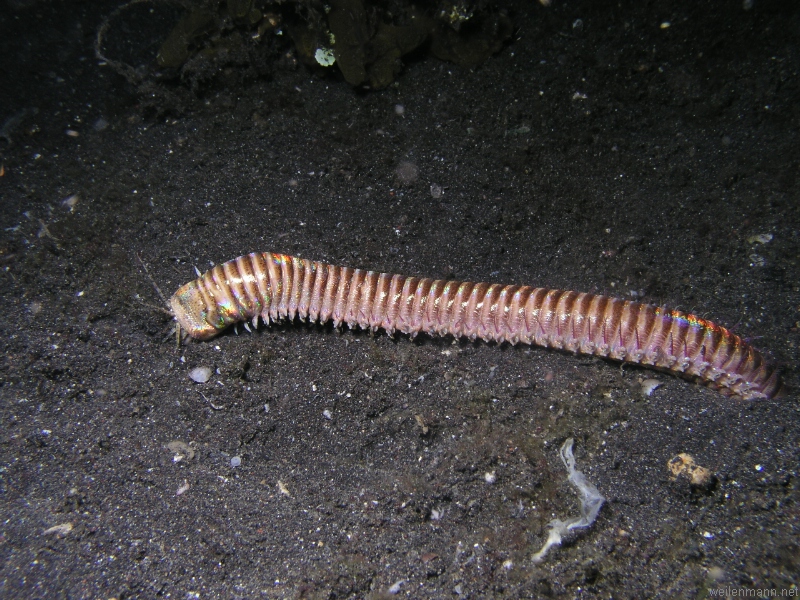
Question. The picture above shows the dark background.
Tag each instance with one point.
(616, 156)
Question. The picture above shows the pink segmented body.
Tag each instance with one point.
(277, 286)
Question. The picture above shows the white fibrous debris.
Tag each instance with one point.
(649, 386)
(200, 374)
(591, 502)
(490, 477)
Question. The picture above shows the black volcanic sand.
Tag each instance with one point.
(620, 156)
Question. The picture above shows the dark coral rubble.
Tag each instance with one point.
(367, 42)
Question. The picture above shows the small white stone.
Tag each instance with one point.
(200, 374)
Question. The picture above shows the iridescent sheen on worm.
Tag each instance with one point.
(277, 286)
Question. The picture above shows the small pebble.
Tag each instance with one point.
(684, 465)
(236, 461)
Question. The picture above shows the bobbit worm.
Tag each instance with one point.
(277, 286)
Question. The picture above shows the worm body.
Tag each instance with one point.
(277, 286)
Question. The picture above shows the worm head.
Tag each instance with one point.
(192, 313)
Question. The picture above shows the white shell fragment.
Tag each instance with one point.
(761, 238)
(70, 202)
(200, 374)
(649, 386)
(395, 587)
(62, 529)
